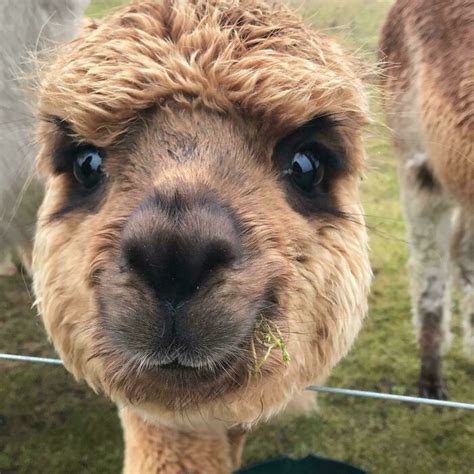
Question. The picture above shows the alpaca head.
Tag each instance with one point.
(200, 248)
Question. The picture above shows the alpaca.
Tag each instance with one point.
(201, 255)
(429, 99)
(27, 26)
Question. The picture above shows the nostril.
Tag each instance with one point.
(196, 262)
(135, 257)
(219, 253)
(149, 261)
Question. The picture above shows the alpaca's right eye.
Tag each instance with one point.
(88, 167)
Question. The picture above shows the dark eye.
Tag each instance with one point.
(306, 171)
(87, 167)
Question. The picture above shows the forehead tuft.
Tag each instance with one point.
(243, 57)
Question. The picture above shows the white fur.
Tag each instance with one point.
(27, 27)
(441, 238)
(429, 228)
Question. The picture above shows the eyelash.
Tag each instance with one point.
(327, 156)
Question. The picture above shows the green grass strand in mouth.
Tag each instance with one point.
(269, 336)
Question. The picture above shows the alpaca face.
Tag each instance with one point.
(201, 259)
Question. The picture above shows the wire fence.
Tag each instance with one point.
(313, 388)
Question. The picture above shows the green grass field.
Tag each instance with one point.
(50, 424)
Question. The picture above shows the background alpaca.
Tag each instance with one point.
(201, 240)
(429, 97)
(27, 27)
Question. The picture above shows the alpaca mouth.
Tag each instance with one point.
(182, 355)
(199, 370)
(184, 361)
(177, 385)
(178, 375)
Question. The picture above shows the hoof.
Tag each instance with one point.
(432, 388)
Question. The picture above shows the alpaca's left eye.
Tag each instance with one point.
(306, 171)
(88, 167)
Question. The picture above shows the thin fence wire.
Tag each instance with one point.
(391, 397)
(313, 388)
(23, 358)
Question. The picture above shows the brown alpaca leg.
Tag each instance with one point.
(150, 449)
(428, 215)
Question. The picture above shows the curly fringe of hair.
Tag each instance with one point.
(237, 57)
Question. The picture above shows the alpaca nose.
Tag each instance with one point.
(177, 244)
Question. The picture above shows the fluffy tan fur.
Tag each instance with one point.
(213, 453)
(156, 83)
(228, 56)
